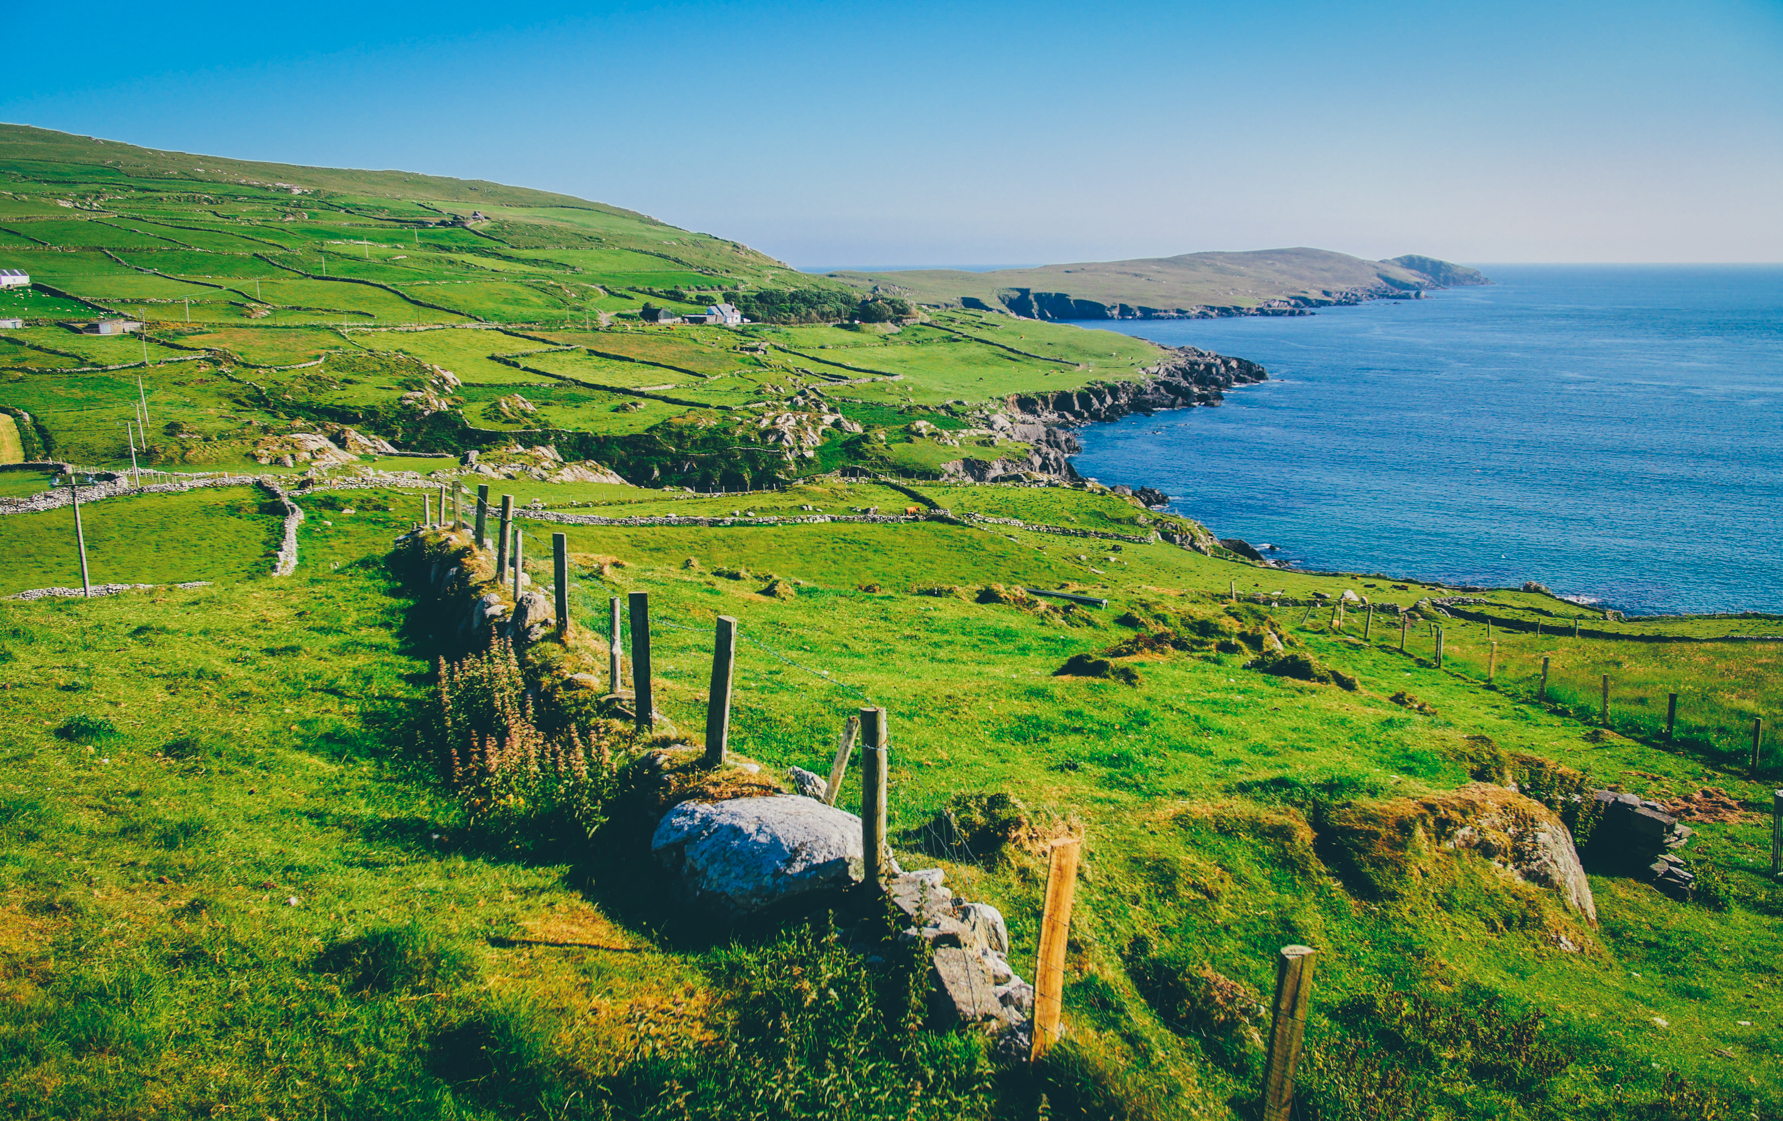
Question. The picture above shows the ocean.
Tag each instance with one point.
(1612, 432)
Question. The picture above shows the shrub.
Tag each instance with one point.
(86, 729)
(498, 761)
(397, 959)
(1088, 665)
(1301, 667)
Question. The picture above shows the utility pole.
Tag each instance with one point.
(135, 473)
(141, 395)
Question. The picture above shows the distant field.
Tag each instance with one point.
(226, 534)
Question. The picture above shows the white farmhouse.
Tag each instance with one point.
(13, 278)
(725, 314)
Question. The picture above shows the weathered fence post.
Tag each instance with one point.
(1777, 832)
(1671, 714)
(519, 562)
(1603, 709)
(1368, 623)
(1542, 693)
(1404, 624)
(718, 697)
(1055, 931)
(1757, 741)
(442, 507)
(560, 573)
(1488, 628)
(844, 748)
(875, 763)
(457, 504)
(614, 651)
(501, 546)
(1575, 628)
(426, 509)
(1440, 631)
(1287, 1030)
(1234, 586)
(80, 535)
(642, 702)
(1538, 628)
(1308, 613)
(482, 515)
(1492, 664)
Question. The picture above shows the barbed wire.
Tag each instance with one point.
(821, 674)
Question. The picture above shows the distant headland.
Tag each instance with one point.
(1188, 286)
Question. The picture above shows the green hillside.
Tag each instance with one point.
(275, 296)
(232, 883)
(1187, 285)
(245, 872)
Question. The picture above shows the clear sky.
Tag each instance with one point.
(885, 134)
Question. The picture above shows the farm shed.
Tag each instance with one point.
(14, 278)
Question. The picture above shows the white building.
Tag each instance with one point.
(11, 324)
(725, 314)
(13, 278)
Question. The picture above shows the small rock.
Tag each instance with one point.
(806, 783)
(740, 856)
(583, 681)
(987, 923)
(963, 990)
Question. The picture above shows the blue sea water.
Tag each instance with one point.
(1614, 432)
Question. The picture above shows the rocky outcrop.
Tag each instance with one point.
(1636, 835)
(1383, 848)
(1441, 274)
(1191, 377)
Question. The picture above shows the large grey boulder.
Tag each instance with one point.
(740, 856)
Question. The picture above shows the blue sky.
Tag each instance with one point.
(852, 134)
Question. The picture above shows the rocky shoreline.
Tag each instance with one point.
(1046, 421)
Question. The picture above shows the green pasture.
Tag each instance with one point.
(975, 706)
(218, 534)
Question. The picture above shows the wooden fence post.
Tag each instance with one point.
(1538, 628)
(1440, 631)
(457, 504)
(442, 507)
(426, 509)
(718, 697)
(560, 572)
(1757, 741)
(1777, 832)
(838, 769)
(1542, 693)
(1368, 623)
(1234, 586)
(519, 562)
(615, 654)
(80, 535)
(1603, 710)
(1671, 714)
(642, 702)
(1488, 628)
(1287, 1030)
(482, 515)
(1055, 932)
(875, 763)
(501, 546)
(1404, 624)
(1492, 664)
(1575, 628)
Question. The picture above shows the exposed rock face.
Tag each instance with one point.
(1245, 549)
(1442, 274)
(740, 856)
(1380, 844)
(1641, 837)
(1190, 377)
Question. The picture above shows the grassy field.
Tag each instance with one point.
(251, 744)
(233, 884)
